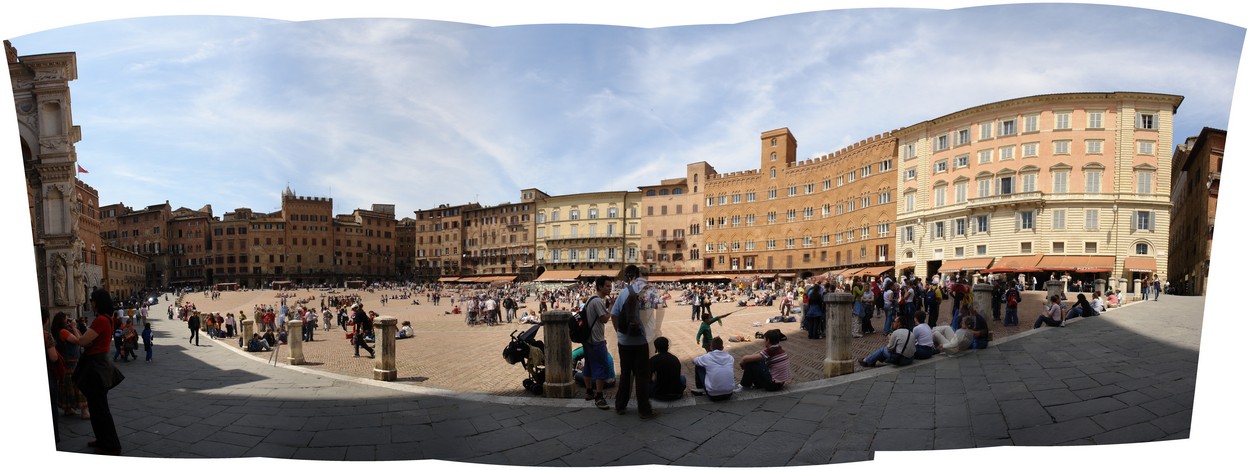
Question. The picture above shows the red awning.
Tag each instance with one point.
(1140, 264)
(971, 264)
(1015, 264)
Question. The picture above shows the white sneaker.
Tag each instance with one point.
(737, 388)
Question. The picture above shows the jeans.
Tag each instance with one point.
(1012, 317)
(359, 341)
(1047, 320)
(694, 312)
(889, 319)
(195, 336)
(884, 355)
(924, 352)
(934, 309)
(635, 370)
(755, 374)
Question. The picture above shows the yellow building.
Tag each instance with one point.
(1074, 183)
(834, 212)
(586, 234)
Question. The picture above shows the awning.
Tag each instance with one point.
(558, 276)
(448, 279)
(601, 272)
(903, 267)
(664, 278)
(1016, 264)
(970, 264)
(874, 270)
(1140, 264)
(1078, 263)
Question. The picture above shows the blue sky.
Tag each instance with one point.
(227, 110)
(230, 110)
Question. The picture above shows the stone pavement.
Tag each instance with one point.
(1127, 376)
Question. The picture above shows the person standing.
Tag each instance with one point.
(631, 340)
(95, 356)
(1012, 298)
(147, 342)
(193, 322)
(362, 325)
(814, 311)
(595, 372)
(695, 304)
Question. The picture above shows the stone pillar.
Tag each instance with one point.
(1100, 285)
(838, 318)
(1123, 288)
(295, 341)
(982, 294)
(248, 329)
(384, 340)
(558, 355)
(1054, 288)
(1137, 286)
(203, 320)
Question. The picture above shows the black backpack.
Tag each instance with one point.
(580, 324)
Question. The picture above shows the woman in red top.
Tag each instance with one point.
(96, 343)
(72, 400)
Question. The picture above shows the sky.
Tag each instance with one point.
(229, 111)
(469, 100)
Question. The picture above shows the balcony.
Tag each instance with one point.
(1031, 197)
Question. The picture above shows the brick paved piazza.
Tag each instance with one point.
(447, 354)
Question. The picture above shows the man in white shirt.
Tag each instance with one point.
(924, 337)
(714, 373)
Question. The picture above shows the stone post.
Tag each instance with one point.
(1054, 288)
(1123, 288)
(1137, 285)
(838, 318)
(558, 355)
(295, 341)
(248, 329)
(982, 294)
(384, 340)
(1100, 285)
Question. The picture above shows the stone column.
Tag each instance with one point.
(838, 318)
(1100, 285)
(384, 340)
(295, 341)
(558, 355)
(1137, 286)
(981, 296)
(248, 329)
(1123, 287)
(1054, 288)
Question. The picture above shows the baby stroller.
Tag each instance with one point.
(528, 351)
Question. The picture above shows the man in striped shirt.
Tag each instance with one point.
(770, 369)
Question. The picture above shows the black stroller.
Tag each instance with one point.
(528, 351)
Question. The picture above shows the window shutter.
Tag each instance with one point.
(1152, 221)
(1017, 221)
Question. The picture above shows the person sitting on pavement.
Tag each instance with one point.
(1053, 315)
(979, 327)
(256, 344)
(899, 349)
(405, 331)
(951, 341)
(530, 317)
(1083, 307)
(924, 337)
(770, 368)
(714, 373)
(667, 383)
(1098, 305)
(269, 338)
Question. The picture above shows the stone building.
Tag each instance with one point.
(1196, 167)
(143, 231)
(308, 230)
(834, 213)
(440, 235)
(367, 251)
(125, 273)
(671, 222)
(232, 260)
(498, 242)
(586, 234)
(1069, 183)
(89, 232)
(47, 132)
(405, 247)
(189, 238)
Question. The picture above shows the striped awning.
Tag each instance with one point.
(1012, 264)
(1140, 264)
(970, 264)
(1077, 263)
(558, 276)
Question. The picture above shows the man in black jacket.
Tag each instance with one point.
(193, 322)
(363, 325)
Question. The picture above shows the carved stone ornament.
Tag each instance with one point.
(54, 143)
(59, 280)
(49, 75)
(26, 107)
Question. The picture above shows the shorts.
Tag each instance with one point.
(596, 366)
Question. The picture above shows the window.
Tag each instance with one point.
(909, 234)
(555, 215)
(772, 217)
(1091, 219)
(981, 250)
(1146, 147)
(909, 174)
(883, 230)
(909, 202)
(1063, 120)
(574, 214)
(1028, 150)
(612, 213)
(1144, 220)
(772, 173)
(985, 156)
(1056, 247)
(987, 130)
(1143, 182)
(941, 142)
(808, 213)
(772, 193)
(1093, 181)
(750, 220)
(791, 215)
(961, 226)
(939, 230)
(1024, 220)
(886, 165)
(963, 136)
(1142, 249)
(1093, 147)
(1026, 248)
(751, 197)
(1063, 147)
(959, 252)
(937, 253)
(1059, 219)
(1059, 182)
(1006, 185)
(1095, 120)
(1091, 247)
(736, 199)
(865, 171)
(864, 202)
(983, 187)
(1146, 121)
(1007, 127)
(981, 223)
(961, 161)
(773, 157)
(961, 192)
(1006, 153)
(939, 196)
(1028, 182)
(883, 198)
(906, 152)
(940, 167)
(1030, 123)
(792, 191)
(720, 200)
(809, 188)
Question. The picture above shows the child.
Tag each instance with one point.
(147, 341)
(704, 336)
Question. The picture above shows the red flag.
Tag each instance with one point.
(81, 169)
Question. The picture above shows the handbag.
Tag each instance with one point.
(97, 374)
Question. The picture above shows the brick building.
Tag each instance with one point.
(144, 232)
(440, 235)
(498, 240)
(671, 222)
(1196, 167)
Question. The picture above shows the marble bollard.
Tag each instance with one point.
(838, 318)
(384, 341)
(295, 342)
(558, 355)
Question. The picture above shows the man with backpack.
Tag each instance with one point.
(933, 301)
(362, 325)
(1012, 299)
(814, 311)
(632, 346)
(595, 347)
